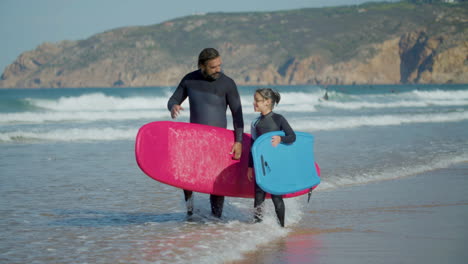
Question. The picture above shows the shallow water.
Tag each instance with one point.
(73, 193)
(417, 219)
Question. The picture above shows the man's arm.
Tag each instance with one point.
(235, 106)
(234, 102)
(180, 94)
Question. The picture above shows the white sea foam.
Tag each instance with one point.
(417, 99)
(99, 102)
(225, 240)
(441, 94)
(71, 134)
(334, 181)
(302, 124)
(301, 101)
(394, 104)
(80, 116)
(308, 102)
(334, 123)
(98, 107)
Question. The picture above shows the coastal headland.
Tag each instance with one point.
(373, 43)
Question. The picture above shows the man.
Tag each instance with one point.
(210, 92)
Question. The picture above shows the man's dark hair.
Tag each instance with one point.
(206, 55)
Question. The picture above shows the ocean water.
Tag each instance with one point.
(73, 193)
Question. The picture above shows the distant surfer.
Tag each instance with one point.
(268, 121)
(325, 97)
(210, 92)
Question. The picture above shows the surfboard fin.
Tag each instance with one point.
(309, 195)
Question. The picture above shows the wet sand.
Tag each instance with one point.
(419, 219)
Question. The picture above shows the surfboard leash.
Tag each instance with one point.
(309, 195)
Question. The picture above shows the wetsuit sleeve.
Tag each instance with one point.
(179, 95)
(289, 136)
(234, 102)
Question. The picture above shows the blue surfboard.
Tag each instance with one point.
(286, 168)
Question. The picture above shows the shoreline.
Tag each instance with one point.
(418, 219)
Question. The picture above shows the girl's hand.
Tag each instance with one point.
(275, 140)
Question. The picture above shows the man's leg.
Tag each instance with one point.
(189, 201)
(217, 205)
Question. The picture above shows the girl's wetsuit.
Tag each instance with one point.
(263, 124)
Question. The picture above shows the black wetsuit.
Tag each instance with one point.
(209, 100)
(263, 124)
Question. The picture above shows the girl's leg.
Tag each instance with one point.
(279, 208)
(259, 199)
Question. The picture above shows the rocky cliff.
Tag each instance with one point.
(388, 43)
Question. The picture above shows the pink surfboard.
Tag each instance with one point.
(196, 157)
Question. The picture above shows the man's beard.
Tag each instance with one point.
(212, 77)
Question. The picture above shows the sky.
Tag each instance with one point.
(25, 24)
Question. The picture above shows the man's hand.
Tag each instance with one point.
(175, 111)
(236, 150)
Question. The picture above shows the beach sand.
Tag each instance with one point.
(418, 219)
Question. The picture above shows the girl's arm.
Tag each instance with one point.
(289, 136)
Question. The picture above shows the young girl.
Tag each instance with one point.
(268, 121)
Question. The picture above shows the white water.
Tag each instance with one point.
(301, 108)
